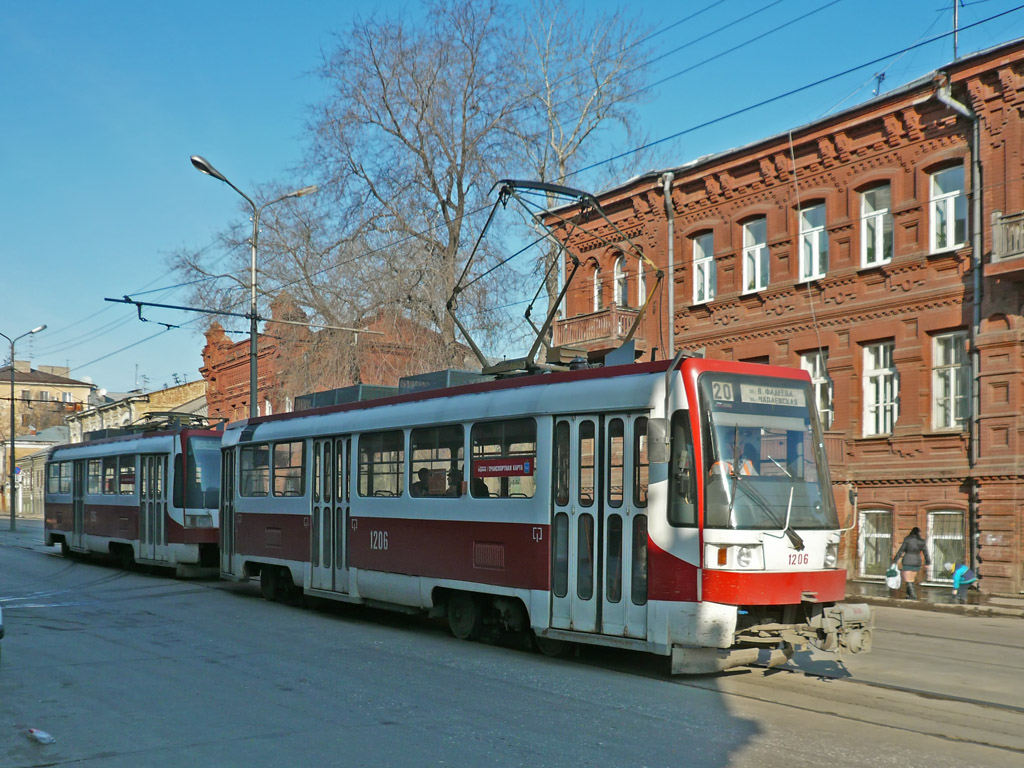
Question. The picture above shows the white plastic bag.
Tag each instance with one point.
(892, 578)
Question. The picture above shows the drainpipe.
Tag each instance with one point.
(670, 213)
(943, 94)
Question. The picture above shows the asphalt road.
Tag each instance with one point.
(133, 669)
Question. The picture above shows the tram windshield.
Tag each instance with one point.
(764, 464)
(202, 474)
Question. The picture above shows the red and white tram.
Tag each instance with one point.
(150, 498)
(679, 509)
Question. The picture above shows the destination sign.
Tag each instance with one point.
(506, 467)
(759, 394)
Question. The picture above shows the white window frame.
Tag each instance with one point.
(756, 266)
(881, 389)
(943, 532)
(620, 282)
(876, 229)
(943, 210)
(951, 381)
(597, 290)
(816, 365)
(868, 531)
(641, 285)
(813, 242)
(704, 277)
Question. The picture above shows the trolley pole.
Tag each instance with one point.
(203, 166)
(11, 496)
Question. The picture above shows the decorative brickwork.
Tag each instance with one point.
(913, 289)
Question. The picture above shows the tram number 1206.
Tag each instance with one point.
(378, 540)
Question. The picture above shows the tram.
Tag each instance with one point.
(150, 498)
(680, 508)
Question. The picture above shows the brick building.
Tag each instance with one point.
(294, 360)
(881, 249)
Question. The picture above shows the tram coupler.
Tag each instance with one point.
(843, 626)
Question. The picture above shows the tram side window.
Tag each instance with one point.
(94, 476)
(110, 475)
(254, 470)
(616, 462)
(682, 510)
(58, 477)
(434, 452)
(126, 476)
(381, 463)
(504, 459)
(641, 464)
(289, 468)
(561, 463)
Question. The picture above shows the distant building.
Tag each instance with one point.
(882, 250)
(295, 360)
(134, 408)
(43, 396)
(32, 468)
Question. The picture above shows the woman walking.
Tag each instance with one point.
(913, 549)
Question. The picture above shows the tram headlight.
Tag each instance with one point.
(199, 521)
(832, 554)
(737, 557)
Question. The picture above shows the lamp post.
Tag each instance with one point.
(204, 166)
(10, 466)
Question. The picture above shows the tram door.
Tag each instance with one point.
(330, 509)
(599, 530)
(152, 506)
(78, 505)
(227, 510)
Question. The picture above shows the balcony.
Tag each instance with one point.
(599, 332)
(1007, 247)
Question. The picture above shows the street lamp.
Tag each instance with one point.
(204, 166)
(10, 466)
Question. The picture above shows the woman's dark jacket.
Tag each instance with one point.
(912, 549)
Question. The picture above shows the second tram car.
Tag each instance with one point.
(679, 508)
(150, 498)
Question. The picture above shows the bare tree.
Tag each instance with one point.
(581, 76)
(411, 140)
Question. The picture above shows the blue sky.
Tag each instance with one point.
(104, 102)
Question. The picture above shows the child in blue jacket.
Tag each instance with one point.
(963, 577)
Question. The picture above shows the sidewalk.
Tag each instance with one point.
(935, 598)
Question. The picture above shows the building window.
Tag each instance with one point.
(755, 255)
(881, 389)
(621, 283)
(950, 381)
(948, 209)
(946, 542)
(875, 551)
(597, 290)
(813, 243)
(875, 226)
(816, 365)
(704, 282)
(44, 396)
(641, 285)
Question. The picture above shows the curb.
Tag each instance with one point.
(949, 608)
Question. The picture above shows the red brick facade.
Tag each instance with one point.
(294, 360)
(909, 295)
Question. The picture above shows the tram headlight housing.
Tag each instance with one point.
(199, 521)
(734, 557)
(832, 554)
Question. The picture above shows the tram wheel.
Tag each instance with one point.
(270, 582)
(464, 618)
(548, 646)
